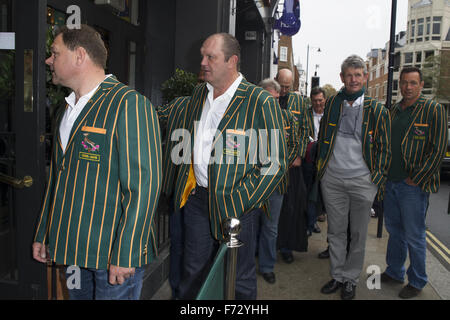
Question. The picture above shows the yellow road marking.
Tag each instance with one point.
(438, 251)
(438, 242)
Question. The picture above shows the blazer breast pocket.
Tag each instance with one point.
(419, 132)
(91, 144)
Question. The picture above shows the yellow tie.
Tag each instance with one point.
(190, 185)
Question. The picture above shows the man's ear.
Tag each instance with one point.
(80, 55)
(234, 59)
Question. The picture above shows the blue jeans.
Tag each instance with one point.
(405, 210)
(267, 246)
(94, 285)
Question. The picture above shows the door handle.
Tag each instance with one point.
(27, 181)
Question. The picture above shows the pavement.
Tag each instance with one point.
(303, 279)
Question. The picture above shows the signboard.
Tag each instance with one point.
(250, 35)
(7, 40)
(289, 23)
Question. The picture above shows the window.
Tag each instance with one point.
(420, 27)
(283, 54)
(408, 57)
(419, 56)
(132, 64)
(395, 85)
(429, 59)
(428, 25)
(413, 28)
(437, 25)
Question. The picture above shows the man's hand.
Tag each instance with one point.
(40, 252)
(410, 182)
(118, 275)
(297, 162)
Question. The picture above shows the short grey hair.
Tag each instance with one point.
(270, 83)
(354, 61)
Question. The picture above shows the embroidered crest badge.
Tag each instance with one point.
(89, 145)
(418, 132)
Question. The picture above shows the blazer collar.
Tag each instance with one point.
(236, 100)
(106, 86)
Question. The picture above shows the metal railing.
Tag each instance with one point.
(218, 284)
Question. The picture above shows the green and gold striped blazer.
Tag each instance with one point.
(103, 192)
(296, 104)
(171, 116)
(376, 135)
(425, 142)
(238, 180)
(290, 127)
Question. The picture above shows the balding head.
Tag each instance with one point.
(285, 78)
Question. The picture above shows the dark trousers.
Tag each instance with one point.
(176, 232)
(200, 249)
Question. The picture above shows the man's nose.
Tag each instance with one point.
(49, 61)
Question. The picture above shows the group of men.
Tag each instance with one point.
(228, 152)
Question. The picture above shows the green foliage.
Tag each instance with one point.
(7, 74)
(436, 75)
(180, 84)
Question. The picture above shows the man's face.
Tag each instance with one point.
(285, 84)
(61, 62)
(213, 63)
(318, 103)
(354, 79)
(411, 86)
(273, 92)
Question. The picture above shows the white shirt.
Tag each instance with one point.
(316, 117)
(72, 112)
(212, 114)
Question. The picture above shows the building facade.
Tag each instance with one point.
(425, 44)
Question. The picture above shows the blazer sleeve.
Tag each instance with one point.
(41, 234)
(382, 146)
(438, 137)
(258, 183)
(139, 165)
(303, 127)
(291, 136)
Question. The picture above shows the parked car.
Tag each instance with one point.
(446, 162)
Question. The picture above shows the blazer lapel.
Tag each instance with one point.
(365, 123)
(239, 96)
(98, 96)
(417, 109)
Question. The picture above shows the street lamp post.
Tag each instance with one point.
(307, 66)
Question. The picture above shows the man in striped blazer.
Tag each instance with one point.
(353, 158)
(105, 175)
(233, 168)
(289, 230)
(419, 141)
(267, 244)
